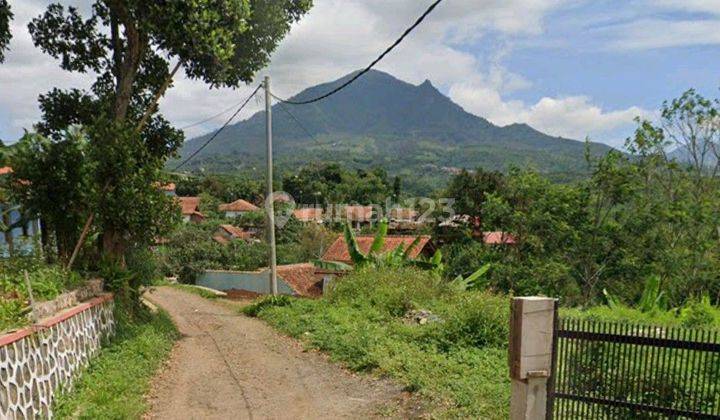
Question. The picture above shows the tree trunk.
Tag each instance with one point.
(114, 246)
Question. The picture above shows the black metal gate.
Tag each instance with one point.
(605, 370)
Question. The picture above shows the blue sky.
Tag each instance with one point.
(571, 68)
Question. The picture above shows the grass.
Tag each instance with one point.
(196, 290)
(115, 383)
(459, 365)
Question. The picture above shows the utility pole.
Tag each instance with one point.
(270, 206)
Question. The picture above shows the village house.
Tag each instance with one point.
(237, 207)
(309, 214)
(168, 189)
(228, 233)
(338, 251)
(190, 209)
(403, 220)
(358, 216)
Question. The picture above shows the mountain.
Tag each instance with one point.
(411, 130)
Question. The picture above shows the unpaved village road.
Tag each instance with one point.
(229, 366)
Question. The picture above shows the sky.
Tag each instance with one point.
(571, 68)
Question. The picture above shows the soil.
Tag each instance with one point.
(228, 365)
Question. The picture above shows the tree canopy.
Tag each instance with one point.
(6, 16)
(136, 47)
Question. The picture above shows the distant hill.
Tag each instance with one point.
(379, 120)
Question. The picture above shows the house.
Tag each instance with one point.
(168, 189)
(228, 233)
(22, 230)
(309, 214)
(190, 209)
(237, 208)
(293, 279)
(358, 216)
(498, 238)
(403, 220)
(402, 214)
(338, 251)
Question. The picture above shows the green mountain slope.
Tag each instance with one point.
(414, 131)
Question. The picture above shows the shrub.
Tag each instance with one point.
(265, 302)
(392, 291)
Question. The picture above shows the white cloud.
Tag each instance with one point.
(659, 33)
(574, 117)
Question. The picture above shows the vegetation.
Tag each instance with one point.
(6, 16)
(115, 384)
(47, 282)
(638, 216)
(207, 294)
(456, 362)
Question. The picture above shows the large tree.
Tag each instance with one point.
(135, 47)
(5, 35)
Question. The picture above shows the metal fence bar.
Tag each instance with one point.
(621, 370)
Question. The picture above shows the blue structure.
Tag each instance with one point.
(23, 234)
(252, 281)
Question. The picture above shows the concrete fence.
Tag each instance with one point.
(36, 361)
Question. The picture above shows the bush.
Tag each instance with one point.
(391, 291)
(265, 302)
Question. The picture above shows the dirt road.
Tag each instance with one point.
(230, 366)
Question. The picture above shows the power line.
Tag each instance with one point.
(225, 111)
(282, 106)
(367, 69)
(232, 117)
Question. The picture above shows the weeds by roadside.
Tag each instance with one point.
(115, 383)
(195, 290)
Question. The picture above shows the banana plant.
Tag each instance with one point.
(462, 284)
(375, 257)
(652, 297)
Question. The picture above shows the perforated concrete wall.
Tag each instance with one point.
(36, 361)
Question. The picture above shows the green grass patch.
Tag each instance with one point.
(195, 290)
(458, 364)
(115, 383)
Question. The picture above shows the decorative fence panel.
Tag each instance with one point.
(36, 361)
(605, 370)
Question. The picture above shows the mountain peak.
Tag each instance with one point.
(426, 84)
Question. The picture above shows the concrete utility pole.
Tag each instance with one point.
(270, 205)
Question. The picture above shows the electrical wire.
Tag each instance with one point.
(302, 127)
(369, 67)
(221, 113)
(232, 117)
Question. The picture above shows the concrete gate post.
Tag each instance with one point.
(532, 321)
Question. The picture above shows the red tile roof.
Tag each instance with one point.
(358, 213)
(4, 170)
(238, 205)
(308, 214)
(236, 232)
(189, 205)
(221, 239)
(301, 278)
(496, 238)
(338, 250)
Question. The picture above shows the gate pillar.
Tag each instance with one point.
(532, 324)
